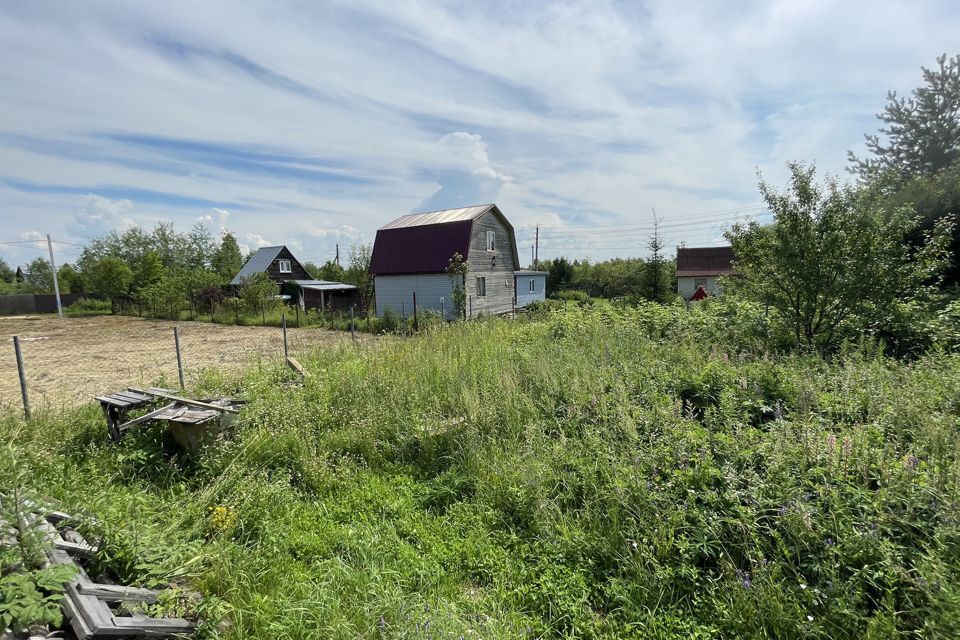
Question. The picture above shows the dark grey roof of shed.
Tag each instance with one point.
(257, 263)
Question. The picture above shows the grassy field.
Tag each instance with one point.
(594, 473)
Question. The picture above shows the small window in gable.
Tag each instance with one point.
(284, 266)
(481, 287)
(491, 241)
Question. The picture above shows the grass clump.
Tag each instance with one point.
(605, 472)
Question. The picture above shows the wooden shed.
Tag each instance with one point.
(323, 295)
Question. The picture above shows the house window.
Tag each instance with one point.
(491, 241)
(284, 266)
(533, 285)
(481, 287)
(700, 282)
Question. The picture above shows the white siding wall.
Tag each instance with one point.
(524, 297)
(687, 285)
(396, 292)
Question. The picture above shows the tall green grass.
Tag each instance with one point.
(597, 473)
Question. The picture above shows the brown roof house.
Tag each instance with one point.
(411, 255)
(700, 267)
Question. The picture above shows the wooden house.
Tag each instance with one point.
(411, 255)
(700, 267)
(277, 262)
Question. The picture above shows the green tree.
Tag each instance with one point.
(111, 277)
(358, 273)
(259, 293)
(656, 277)
(39, 276)
(559, 275)
(69, 279)
(147, 269)
(227, 259)
(922, 133)
(332, 272)
(834, 256)
(165, 296)
(6, 273)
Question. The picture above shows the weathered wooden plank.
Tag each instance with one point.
(77, 623)
(135, 399)
(116, 402)
(118, 593)
(165, 625)
(189, 401)
(294, 364)
(94, 611)
(147, 416)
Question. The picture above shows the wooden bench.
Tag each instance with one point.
(116, 406)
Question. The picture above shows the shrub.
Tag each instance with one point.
(88, 307)
(574, 295)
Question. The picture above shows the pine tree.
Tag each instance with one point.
(655, 285)
(227, 259)
(922, 133)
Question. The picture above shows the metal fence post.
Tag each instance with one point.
(353, 327)
(283, 321)
(416, 323)
(176, 342)
(23, 377)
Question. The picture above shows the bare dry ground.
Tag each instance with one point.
(69, 361)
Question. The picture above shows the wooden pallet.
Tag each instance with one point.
(87, 604)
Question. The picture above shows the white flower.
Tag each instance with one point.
(810, 618)
(803, 586)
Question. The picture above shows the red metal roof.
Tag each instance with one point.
(699, 294)
(419, 249)
(704, 261)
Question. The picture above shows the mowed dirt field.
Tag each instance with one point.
(69, 361)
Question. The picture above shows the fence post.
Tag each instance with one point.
(236, 310)
(176, 342)
(416, 324)
(23, 378)
(442, 315)
(298, 315)
(263, 313)
(283, 321)
(353, 330)
(470, 315)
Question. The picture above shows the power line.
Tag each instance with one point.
(679, 218)
(572, 228)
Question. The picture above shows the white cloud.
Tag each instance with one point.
(101, 215)
(464, 173)
(293, 117)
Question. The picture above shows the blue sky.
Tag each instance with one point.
(313, 123)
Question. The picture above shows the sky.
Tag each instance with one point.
(312, 123)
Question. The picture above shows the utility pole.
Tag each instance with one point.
(533, 260)
(56, 285)
(536, 251)
(337, 259)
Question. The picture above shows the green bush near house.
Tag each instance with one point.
(603, 472)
